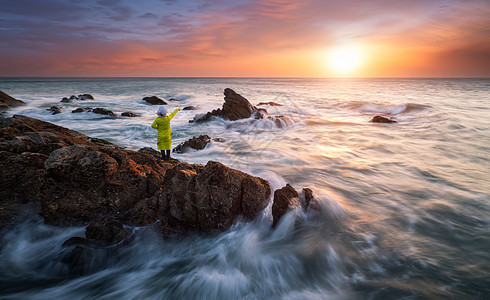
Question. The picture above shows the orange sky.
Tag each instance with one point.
(244, 38)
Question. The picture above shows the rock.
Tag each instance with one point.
(82, 109)
(269, 103)
(284, 199)
(7, 102)
(107, 231)
(129, 114)
(66, 100)
(281, 121)
(154, 100)
(379, 119)
(235, 107)
(103, 111)
(55, 110)
(197, 143)
(189, 108)
(307, 196)
(85, 97)
(203, 199)
(73, 97)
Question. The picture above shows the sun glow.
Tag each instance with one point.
(344, 60)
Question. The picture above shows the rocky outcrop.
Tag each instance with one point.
(380, 119)
(79, 97)
(103, 111)
(203, 199)
(197, 143)
(55, 110)
(129, 114)
(189, 108)
(269, 103)
(7, 102)
(235, 107)
(287, 198)
(74, 179)
(82, 109)
(154, 100)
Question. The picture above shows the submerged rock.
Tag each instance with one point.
(129, 114)
(66, 100)
(7, 102)
(380, 119)
(284, 199)
(85, 97)
(154, 100)
(82, 109)
(235, 107)
(189, 108)
(269, 103)
(55, 110)
(197, 143)
(103, 111)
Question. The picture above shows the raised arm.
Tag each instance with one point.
(173, 113)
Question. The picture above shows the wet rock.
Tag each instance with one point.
(307, 196)
(85, 97)
(103, 111)
(7, 102)
(203, 199)
(55, 110)
(269, 103)
(107, 231)
(154, 100)
(73, 97)
(380, 119)
(281, 121)
(285, 199)
(235, 107)
(82, 109)
(66, 100)
(197, 143)
(189, 108)
(129, 114)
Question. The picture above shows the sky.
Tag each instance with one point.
(245, 38)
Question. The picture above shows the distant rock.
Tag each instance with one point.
(235, 107)
(85, 97)
(154, 100)
(269, 103)
(380, 119)
(7, 102)
(82, 109)
(65, 100)
(189, 108)
(55, 110)
(73, 97)
(129, 114)
(197, 143)
(103, 111)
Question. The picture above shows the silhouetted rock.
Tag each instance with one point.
(308, 196)
(85, 97)
(66, 100)
(82, 109)
(189, 108)
(197, 143)
(103, 111)
(380, 119)
(235, 107)
(73, 97)
(7, 102)
(284, 199)
(154, 100)
(269, 103)
(55, 110)
(129, 114)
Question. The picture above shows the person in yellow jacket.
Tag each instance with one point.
(162, 123)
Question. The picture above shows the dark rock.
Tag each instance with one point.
(154, 100)
(270, 104)
(219, 140)
(85, 97)
(380, 119)
(150, 151)
(55, 110)
(82, 109)
(284, 199)
(129, 114)
(197, 143)
(73, 97)
(76, 240)
(103, 111)
(66, 100)
(7, 102)
(109, 231)
(235, 107)
(307, 196)
(189, 108)
(202, 198)
(173, 99)
(281, 121)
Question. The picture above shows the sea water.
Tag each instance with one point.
(405, 206)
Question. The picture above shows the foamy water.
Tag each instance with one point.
(406, 205)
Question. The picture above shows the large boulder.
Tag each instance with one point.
(7, 102)
(235, 107)
(154, 100)
(197, 143)
(380, 119)
(196, 198)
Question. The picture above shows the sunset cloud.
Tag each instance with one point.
(242, 38)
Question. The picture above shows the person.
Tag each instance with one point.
(162, 123)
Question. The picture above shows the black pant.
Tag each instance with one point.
(165, 155)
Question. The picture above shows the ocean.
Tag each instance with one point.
(406, 206)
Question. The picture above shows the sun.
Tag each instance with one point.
(344, 60)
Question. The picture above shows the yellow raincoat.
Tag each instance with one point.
(164, 141)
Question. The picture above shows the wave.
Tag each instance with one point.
(390, 109)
